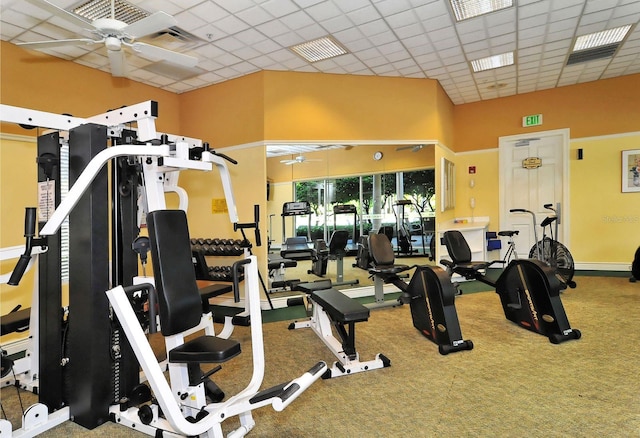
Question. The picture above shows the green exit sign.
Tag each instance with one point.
(533, 120)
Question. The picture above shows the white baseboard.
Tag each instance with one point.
(603, 266)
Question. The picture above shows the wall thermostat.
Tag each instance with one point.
(377, 155)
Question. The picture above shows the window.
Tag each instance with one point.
(375, 205)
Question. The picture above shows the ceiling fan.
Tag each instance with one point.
(115, 34)
(299, 159)
(414, 148)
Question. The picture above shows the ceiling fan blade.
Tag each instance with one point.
(161, 54)
(65, 15)
(118, 63)
(148, 25)
(59, 43)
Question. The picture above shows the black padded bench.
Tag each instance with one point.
(340, 307)
(17, 321)
(332, 308)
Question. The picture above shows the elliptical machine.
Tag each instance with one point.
(529, 289)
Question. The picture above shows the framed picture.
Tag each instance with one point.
(631, 170)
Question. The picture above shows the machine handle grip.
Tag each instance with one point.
(226, 157)
(518, 210)
(19, 270)
(256, 218)
(235, 269)
(30, 222)
(29, 234)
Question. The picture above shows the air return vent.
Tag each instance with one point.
(593, 54)
(120, 9)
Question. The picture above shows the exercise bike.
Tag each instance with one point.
(548, 249)
(529, 289)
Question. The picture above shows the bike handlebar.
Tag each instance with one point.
(520, 210)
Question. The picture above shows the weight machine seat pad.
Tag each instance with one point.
(15, 321)
(340, 307)
(277, 263)
(205, 349)
(175, 278)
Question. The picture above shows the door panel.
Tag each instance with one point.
(531, 188)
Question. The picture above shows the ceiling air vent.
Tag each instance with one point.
(593, 54)
(120, 10)
(175, 38)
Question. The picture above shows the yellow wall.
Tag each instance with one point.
(225, 114)
(318, 106)
(604, 107)
(604, 220)
(485, 189)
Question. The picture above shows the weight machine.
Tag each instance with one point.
(95, 385)
(86, 399)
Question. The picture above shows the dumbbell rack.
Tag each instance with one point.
(218, 247)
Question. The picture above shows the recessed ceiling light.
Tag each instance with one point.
(490, 62)
(464, 9)
(317, 50)
(604, 38)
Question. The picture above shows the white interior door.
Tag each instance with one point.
(533, 172)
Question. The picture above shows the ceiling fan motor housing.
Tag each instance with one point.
(113, 43)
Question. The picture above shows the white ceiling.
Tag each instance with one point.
(402, 38)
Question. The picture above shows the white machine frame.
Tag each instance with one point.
(174, 407)
(159, 165)
(321, 324)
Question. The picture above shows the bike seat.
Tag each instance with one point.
(548, 220)
(508, 233)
